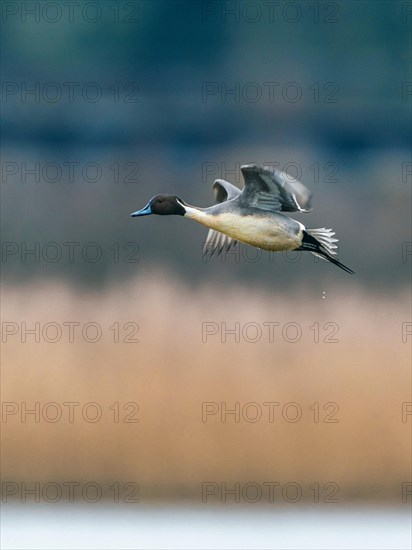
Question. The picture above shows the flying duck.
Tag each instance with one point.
(254, 215)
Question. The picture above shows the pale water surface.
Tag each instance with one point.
(122, 526)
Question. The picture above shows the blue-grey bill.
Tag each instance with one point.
(143, 212)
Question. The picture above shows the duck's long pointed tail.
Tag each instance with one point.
(321, 243)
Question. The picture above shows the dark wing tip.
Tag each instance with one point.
(307, 206)
(250, 168)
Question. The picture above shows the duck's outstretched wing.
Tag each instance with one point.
(269, 189)
(225, 191)
(216, 241)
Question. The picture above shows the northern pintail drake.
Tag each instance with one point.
(254, 215)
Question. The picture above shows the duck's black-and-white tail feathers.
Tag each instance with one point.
(321, 243)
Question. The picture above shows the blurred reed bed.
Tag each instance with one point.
(175, 367)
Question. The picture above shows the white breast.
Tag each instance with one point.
(260, 231)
